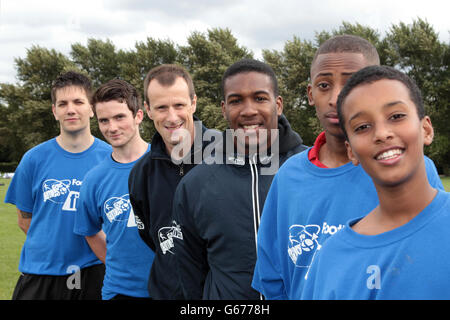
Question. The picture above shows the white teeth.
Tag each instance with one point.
(389, 154)
(253, 126)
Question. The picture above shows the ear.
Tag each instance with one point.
(223, 110)
(147, 109)
(279, 102)
(310, 95)
(139, 116)
(54, 112)
(428, 131)
(350, 154)
(194, 103)
(91, 115)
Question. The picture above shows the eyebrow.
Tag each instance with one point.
(386, 105)
(231, 95)
(327, 74)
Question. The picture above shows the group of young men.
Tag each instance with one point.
(239, 214)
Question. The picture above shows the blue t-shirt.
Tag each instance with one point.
(408, 263)
(105, 204)
(305, 205)
(47, 183)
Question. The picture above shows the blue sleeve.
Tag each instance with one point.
(88, 219)
(432, 174)
(20, 191)
(267, 277)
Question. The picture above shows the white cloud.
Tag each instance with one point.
(258, 25)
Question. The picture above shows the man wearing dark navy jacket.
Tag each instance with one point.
(217, 207)
(170, 101)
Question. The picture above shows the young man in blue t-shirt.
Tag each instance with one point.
(398, 250)
(55, 263)
(106, 216)
(315, 192)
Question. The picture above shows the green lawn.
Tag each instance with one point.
(446, 183)
(12, 238)
(11, 241)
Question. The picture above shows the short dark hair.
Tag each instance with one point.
(250, 65)
(71, 78)
(371, 74)
(349, 43)
(118, 90)
(166, 75)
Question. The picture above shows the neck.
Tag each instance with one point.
(333, 153)
(399, 204)
(131, 151)
(75, 142)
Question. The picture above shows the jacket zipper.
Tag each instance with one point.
(255, 203)
(181, 170)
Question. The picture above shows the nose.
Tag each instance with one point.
(112, 126)
(249, 108)
(332, 102)
(70, 108)
(382, 133)
(172, 115)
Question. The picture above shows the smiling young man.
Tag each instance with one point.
(399, 249)
(316, 192)
(45, 190)
(170, 102)
(105, 215)
(218, 205)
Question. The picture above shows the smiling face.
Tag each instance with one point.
(329, 73)
(251, 106)
(171, 110)
(384, 131)
(72, 109)
(117, 123)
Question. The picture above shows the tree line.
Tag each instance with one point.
(26, 120)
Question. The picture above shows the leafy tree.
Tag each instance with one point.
(99, 59)
(292, 69)
(27, 119)
(416, 50)
(206, 57)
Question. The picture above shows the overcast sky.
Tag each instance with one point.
(257, 24)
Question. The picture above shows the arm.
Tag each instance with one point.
(97, 243)
(267, 278)
(137, 188)
(190, 250)
(24, 220)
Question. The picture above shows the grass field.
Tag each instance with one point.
(12, 238)
(11, 241)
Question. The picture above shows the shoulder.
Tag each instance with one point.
(294, 163)
(201, 173)
(141, 166)
(38, 152)
(101, 146)
(100, 170)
